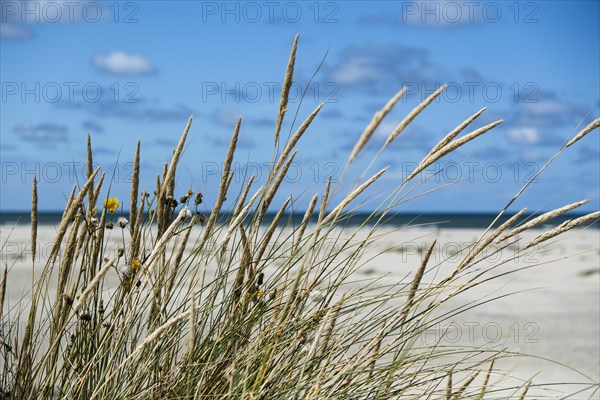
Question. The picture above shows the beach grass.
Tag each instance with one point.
(208, 307)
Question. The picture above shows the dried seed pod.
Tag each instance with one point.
(123, 222)
(85, 317)
(260, 279)
(170, 201)
(67, 299)
(186, 197)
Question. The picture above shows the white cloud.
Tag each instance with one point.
(534, 156)
(43, 133)
(224, 116)
(14, 32)
(548, 107)
(435, 14)
(355, 71)
(121, 63)
(524, 135)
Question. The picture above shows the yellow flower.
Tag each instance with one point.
(135, 265)
(259, 293)
(111, 204)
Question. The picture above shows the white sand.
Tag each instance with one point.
(554, 313)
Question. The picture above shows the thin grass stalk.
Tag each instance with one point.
(433, 157)
(269, 233)
(70, 200)
(192, 335)
(374, 124)
(34, 220)
(23, 369)
(69, 216)
(97, 243)
(295, 138)
(135, 183)
(486, 379)
(161, 243)
(63, 275)
(378, 340)
(465, 385)
(525, 390)
(413, 114)
(96, 281)
(162, 209)
(240, 205)
(541, 219)
(92, 207)
(68, 256)
(323, 207)
(456, 131)
(273, 191)
(156, 334)
(245, 264)
(416, 282)
(592, 125)
(179, 250)
(170, 174)
(91, 220)
(304, 223)
(90, 167)
(285, 89)
(340, 207)
(3, 288)
(449, 386)
(136, 237)
(287, 308)
(526, 185)
(482, 244)
(225, 178)
(564, 227)
(239, 218)
(242, 198)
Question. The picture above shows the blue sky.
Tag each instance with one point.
(124, 71)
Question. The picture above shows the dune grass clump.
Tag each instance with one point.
(208, 307)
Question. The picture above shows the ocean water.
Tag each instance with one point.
(438, 220)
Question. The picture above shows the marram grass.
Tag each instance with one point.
(208, 308)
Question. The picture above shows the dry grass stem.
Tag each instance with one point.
(96, 281)
(413, 114)
(450, 147)
(541, 219)
(340, 207)
(564, 227)
(305, 220)
(415, 283)
(34, 220)
(374, 124)
(592, 125)
(225, 180)
(295, 137)
(3, 288)
(285, 90)
(135, 183)
(455, 132)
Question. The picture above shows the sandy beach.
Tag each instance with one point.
(551, 311)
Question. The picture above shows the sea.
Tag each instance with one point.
(430, 220)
